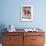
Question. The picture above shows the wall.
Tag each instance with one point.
(10, 13)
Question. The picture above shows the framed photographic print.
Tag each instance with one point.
(26, 13)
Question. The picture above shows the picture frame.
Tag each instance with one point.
(26, 13)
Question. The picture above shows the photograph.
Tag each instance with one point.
(26, 13)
